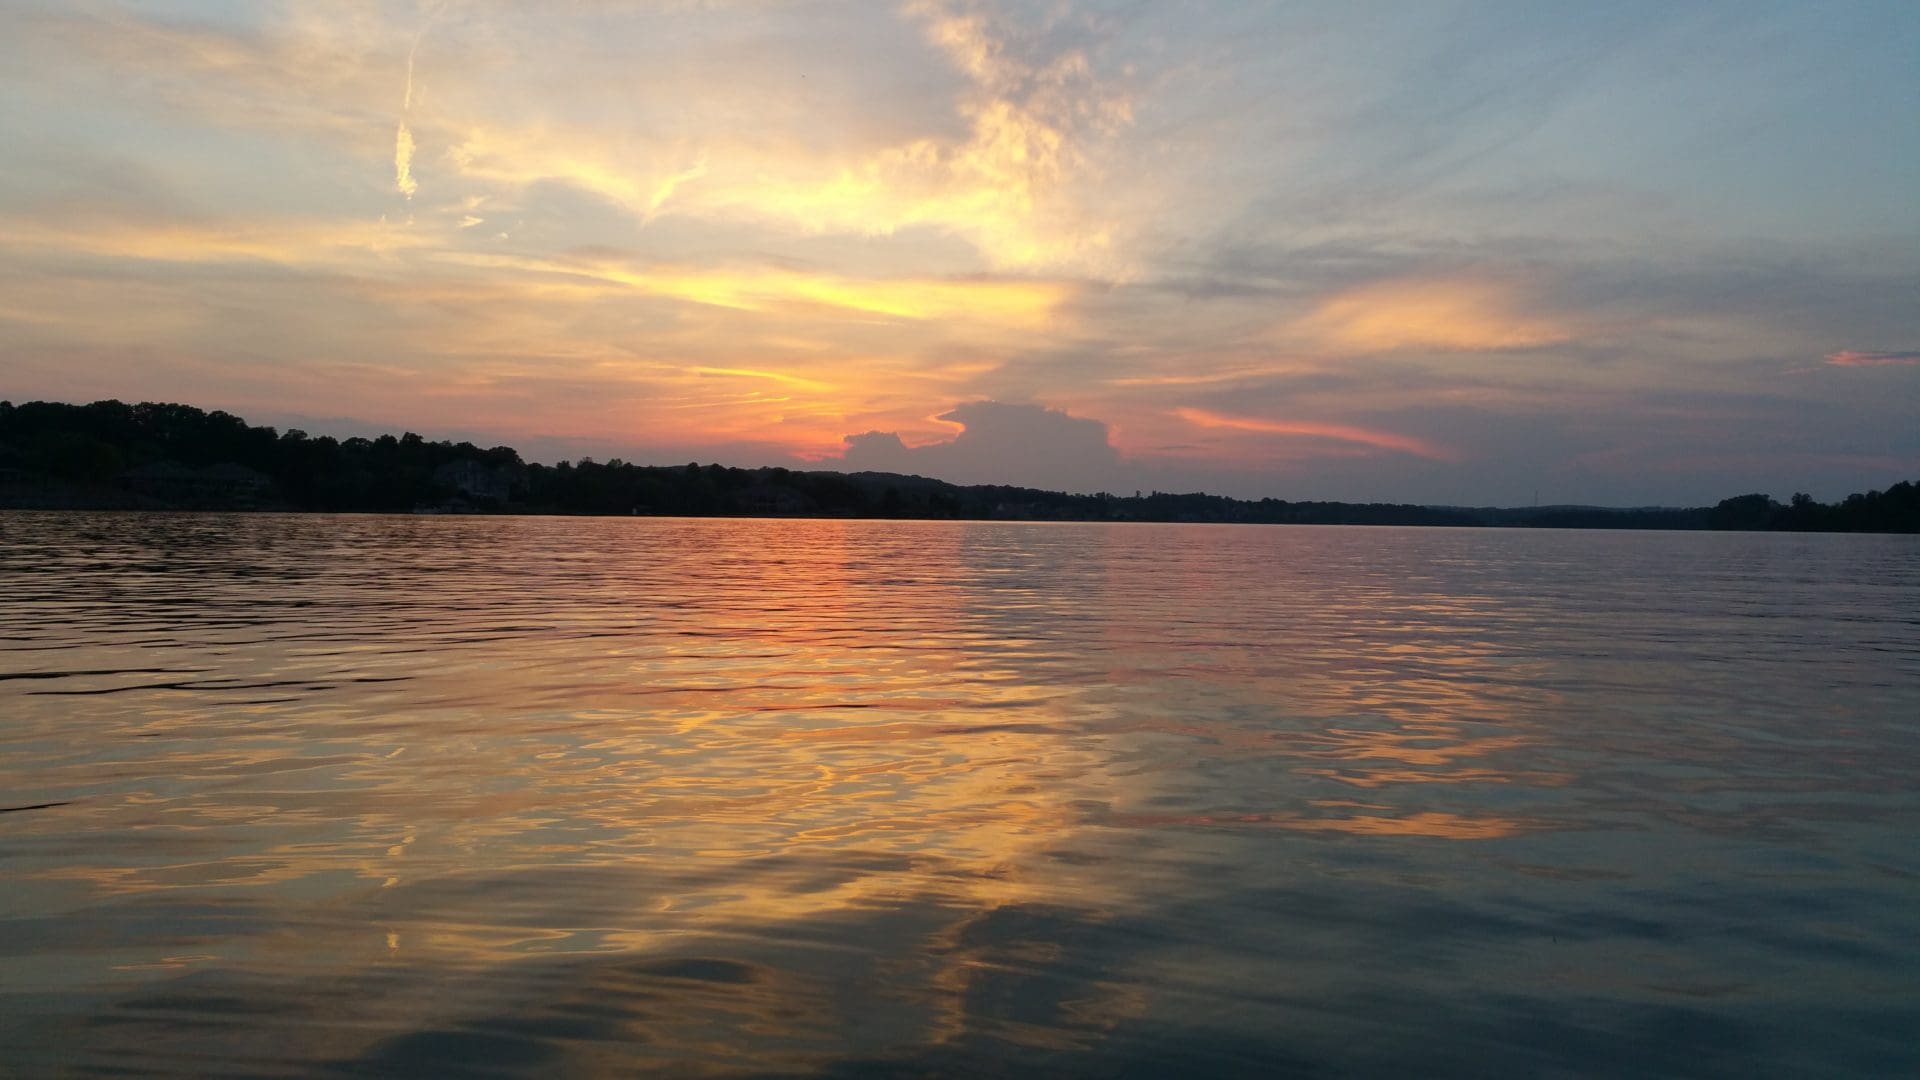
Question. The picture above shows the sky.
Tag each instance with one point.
(1441, 252)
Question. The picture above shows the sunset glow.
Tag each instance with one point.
(1438, 257)
(1340, 433)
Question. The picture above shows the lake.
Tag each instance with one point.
(522, 796)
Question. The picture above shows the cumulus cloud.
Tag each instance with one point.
(999, 442)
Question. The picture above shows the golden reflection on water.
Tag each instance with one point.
(737, 796)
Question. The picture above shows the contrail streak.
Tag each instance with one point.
(403, 180)
(411, 53)
(403, 161)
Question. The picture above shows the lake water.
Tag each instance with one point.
(467, 796)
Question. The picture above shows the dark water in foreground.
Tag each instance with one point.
(453, 796)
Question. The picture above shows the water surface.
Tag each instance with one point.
(338, 794)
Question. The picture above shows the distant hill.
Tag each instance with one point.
(110, 455)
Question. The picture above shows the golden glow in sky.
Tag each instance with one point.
(1410, 253)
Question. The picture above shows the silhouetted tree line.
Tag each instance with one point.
(1895, 510)
(166, 456)
(152, 454)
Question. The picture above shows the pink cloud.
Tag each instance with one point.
(1380, 440)
(1860, 358)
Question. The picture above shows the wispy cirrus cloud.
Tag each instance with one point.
(1313, 429)
(1866, 358)
(1026, 303)
(1440, 315)
(293, 242)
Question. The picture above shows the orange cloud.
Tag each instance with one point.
(1441, 316)
(1017, 302)
(1380, 440)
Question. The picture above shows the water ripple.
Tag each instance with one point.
(485, 796)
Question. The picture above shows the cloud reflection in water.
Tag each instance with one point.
(850, 798)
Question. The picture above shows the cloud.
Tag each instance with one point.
(312, 74)
(746, 224)
(1440, 315)
(1007, 166)
(665, 189)
(999, 442)
(1015, 302)
(403, 147)
(1308, 429)
(1859, 358)
(298, 243)
(403, 180)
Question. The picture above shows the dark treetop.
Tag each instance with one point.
(110, 455)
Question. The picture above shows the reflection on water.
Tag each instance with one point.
(360, 794)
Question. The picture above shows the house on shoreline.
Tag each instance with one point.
(474, 486)
(227, 485)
